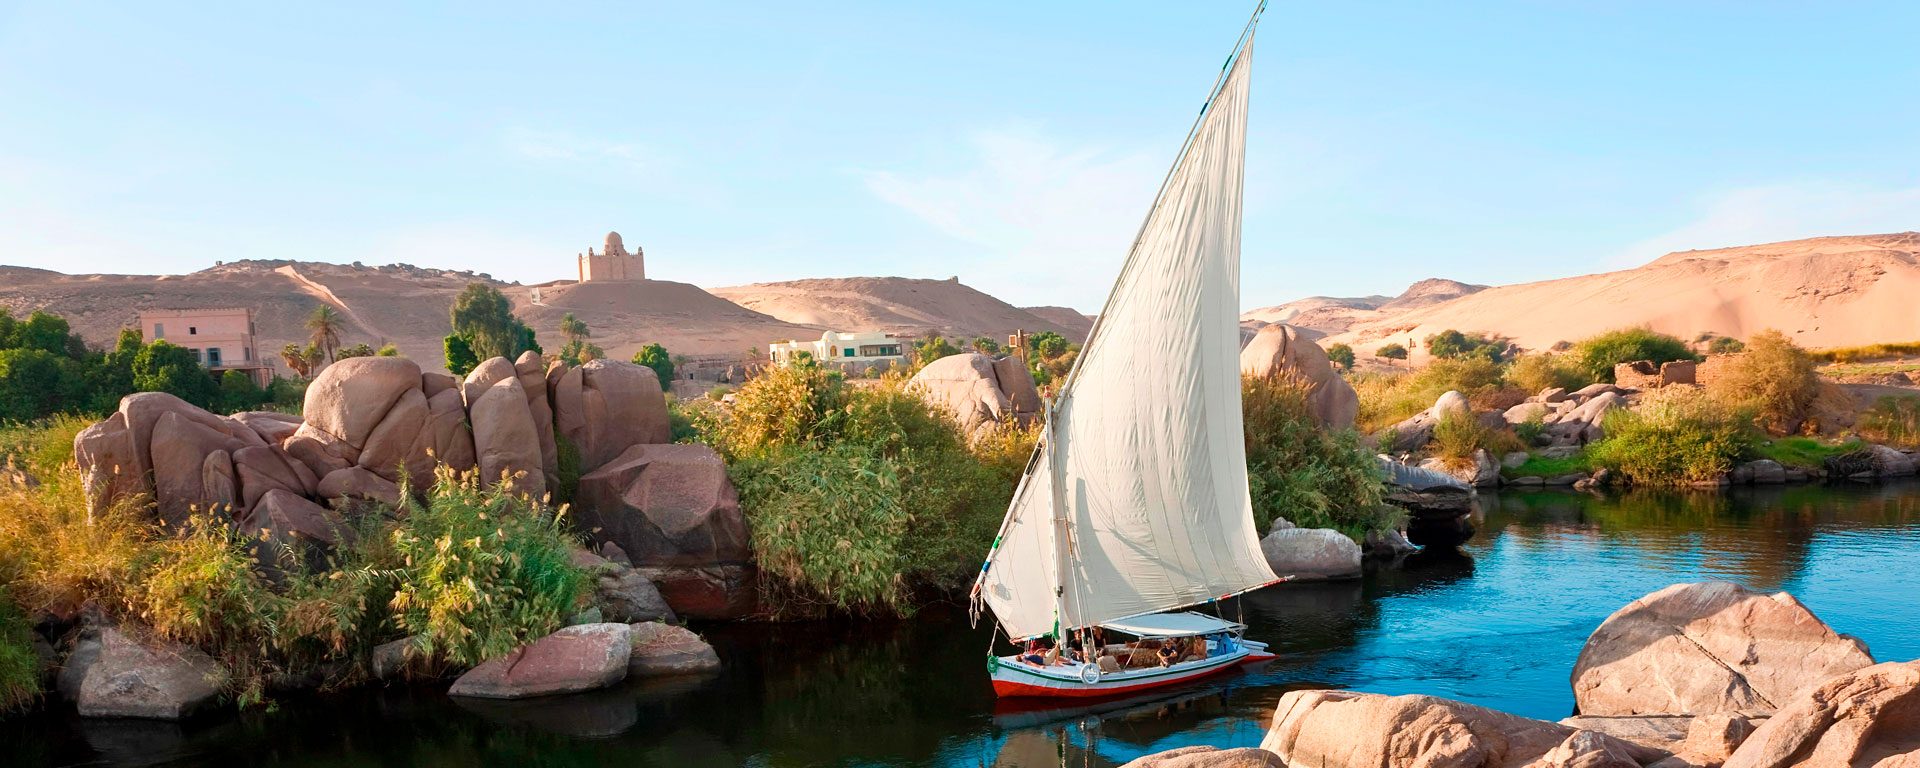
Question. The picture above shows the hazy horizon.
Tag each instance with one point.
(1015, 148)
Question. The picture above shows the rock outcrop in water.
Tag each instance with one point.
(1789, 692)
(1695, 649)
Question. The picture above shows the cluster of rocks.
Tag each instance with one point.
(587, 657)
(1706, 675)
(980, 390)
(673, 542)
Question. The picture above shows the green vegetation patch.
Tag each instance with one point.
(1894, 420)
(1675, 437)
(1802, 452)
(1546, 466)
(1316, 478)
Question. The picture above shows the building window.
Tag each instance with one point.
(213, 357)
(196, 355)
(159, 331)
(246, 353)
(849, 351)
(193, 330)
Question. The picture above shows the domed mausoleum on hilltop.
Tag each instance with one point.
(613, 263)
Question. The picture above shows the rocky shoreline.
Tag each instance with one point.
(1702, 675)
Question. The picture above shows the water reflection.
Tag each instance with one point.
(1497, 622)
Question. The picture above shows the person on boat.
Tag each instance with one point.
(1169, 653)
(1035, 653)
(1198, 649)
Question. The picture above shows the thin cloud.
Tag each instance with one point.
(1051, 222)
(565, 146)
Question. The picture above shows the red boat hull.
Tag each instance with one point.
(1013, 688)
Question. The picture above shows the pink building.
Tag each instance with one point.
(221, 339)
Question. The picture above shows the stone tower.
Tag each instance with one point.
(613, 262)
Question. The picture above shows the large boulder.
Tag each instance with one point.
(1346, 729)
(708, 592)
(1868, 717)
(132, 678)
(265, 468)
(110, 468)
(532, 373)
(1209, 757)
(607, 406)
(352, 397)
(286, 529)
(1482, 472)
(665, 505)
(504, 443)
(358, 483)
(661, 649)
(1417, 430)
(397, 446)
(1311, 554)
(577, 658)
(272, 427)
(1280, 350)
(193, 467)
(451, 439)
(1583, 424)
(1695, 649)
(969, 386)
(621, 593)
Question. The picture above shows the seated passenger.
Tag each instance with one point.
(1034, 654)
(1169, 654)
(1198, 650)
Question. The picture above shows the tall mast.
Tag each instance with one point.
(1062, 527)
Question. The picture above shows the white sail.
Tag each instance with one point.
(1147, 429)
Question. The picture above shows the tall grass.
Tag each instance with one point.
(1894, 420)
(1313, 477)
(1675, 437)
(860, 499)
(1389, 398)
(1459, 435)
(1867, 352)
(19, 665)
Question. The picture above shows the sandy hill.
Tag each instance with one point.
(1826, 291)
(625, 316)
(895, 305)
(1319, 316)
(397, 303)
(1077, 323)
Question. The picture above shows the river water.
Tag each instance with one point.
(1497, 623)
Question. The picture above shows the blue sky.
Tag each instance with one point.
(1014, 146)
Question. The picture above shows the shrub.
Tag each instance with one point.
(1774, 379)
(1803, 452)
(1598, 355)
(1675, 436)
(1392, 352)
(239, 393)
(1537, 372)
(1894, 419)
(1459, 435)
(655, 356)
(1452, 344)
(19, 665)
(1314, 477)
(1725, 345)
(1386, 399)
(1341, 355)
(485, 570)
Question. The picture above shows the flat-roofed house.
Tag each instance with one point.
(222, 339)
(845, 350)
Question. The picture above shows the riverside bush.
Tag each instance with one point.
(1538, 371)
(1774, 379)
(1386, 399)
(1599, 354)
(19, 665)
(1674, 437)
(859, 498)
(1894, 419)
(1315, 478)
(1459, 435)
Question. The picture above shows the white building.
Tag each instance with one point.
(845, 349)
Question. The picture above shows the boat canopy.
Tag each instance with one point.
(1185, 624)
(1136, 501)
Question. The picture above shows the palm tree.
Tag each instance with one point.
(324, 325)
(573, 328)
(296, 360)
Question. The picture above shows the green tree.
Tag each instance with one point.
(459, 354)
(1392, 352)
(323, 329)
(1451, 344)
(577, 350)
(239, 393)
(1341, 355)
(1047, 345)
(1599, 354)
(484, 316)
(31, 382)
(48, 333)
(1725, 345)
(164, 367)
(296, 360)
(933, 348)
(986, 346)
(361, 349)
(655, 356)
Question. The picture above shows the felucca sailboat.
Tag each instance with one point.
(1134, 506)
